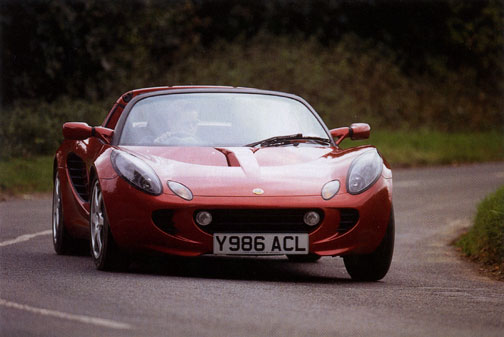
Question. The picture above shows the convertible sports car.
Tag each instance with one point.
(221, 170)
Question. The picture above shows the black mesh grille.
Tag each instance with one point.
(259, 221)
(77, 172)
(348, 219)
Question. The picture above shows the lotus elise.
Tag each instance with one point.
(201, 170)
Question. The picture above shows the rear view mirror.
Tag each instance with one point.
(360, 131)
(81, 131)
(356, 131)
(76, 131)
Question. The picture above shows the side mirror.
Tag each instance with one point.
(356, 131)
(76, 131)
(360, 131)
(81, 131)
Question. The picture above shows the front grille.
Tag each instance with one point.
(259, 221)
(348, 219)
(77, 172)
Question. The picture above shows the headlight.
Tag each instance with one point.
(330, 189)
(364, 172)
(136, 172)
(180, 190)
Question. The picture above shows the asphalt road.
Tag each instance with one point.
(429, 290)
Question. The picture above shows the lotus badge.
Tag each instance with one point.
(258, 191)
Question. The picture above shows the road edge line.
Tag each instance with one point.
(24, 237)
(79, 318)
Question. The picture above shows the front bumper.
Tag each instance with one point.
(130, 212)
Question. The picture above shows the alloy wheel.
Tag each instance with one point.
(56, 210)
(97, 221)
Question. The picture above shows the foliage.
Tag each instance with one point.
(394, 64)
(30, 127)
(477, 33)
(87, 48)
(350, 81)
(91, 49)
(345, 82)
(485, 240)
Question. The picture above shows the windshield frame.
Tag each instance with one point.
(124, 116)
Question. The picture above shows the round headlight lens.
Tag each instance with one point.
(203, 218)
(311, 218)
(135, 171)
(364, 172)
(180, 190)
(330, 189)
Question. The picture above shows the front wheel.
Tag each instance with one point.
(104, 251)
(373, 266)
(63, 243)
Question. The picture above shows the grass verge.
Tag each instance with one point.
(484, 243)
(25, 175)
(400, 148)
(426, 147)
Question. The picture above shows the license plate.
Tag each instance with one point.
(260, 244)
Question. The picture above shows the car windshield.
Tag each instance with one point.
(217, 119)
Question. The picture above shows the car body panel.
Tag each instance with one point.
(134, 229)
(291, 177)
(310, 168)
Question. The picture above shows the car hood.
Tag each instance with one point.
(237, 171)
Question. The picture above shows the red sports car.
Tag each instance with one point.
(221, 170)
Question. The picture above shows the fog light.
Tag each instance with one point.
(311, 218)
(203, 218)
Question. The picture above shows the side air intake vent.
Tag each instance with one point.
(77, 172)
(162, 218)
(348, 219)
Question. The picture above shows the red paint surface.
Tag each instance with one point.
(291, 177)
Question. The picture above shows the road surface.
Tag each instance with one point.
(429, 290)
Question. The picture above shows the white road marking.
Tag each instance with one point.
(46, 312)
(79, 318)
(24, 237)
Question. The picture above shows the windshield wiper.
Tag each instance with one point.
(282, 140)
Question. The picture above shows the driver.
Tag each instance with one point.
(183, 125)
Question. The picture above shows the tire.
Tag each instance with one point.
(63, 243)
(374, 266)
(104, 251)
(311, 258)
